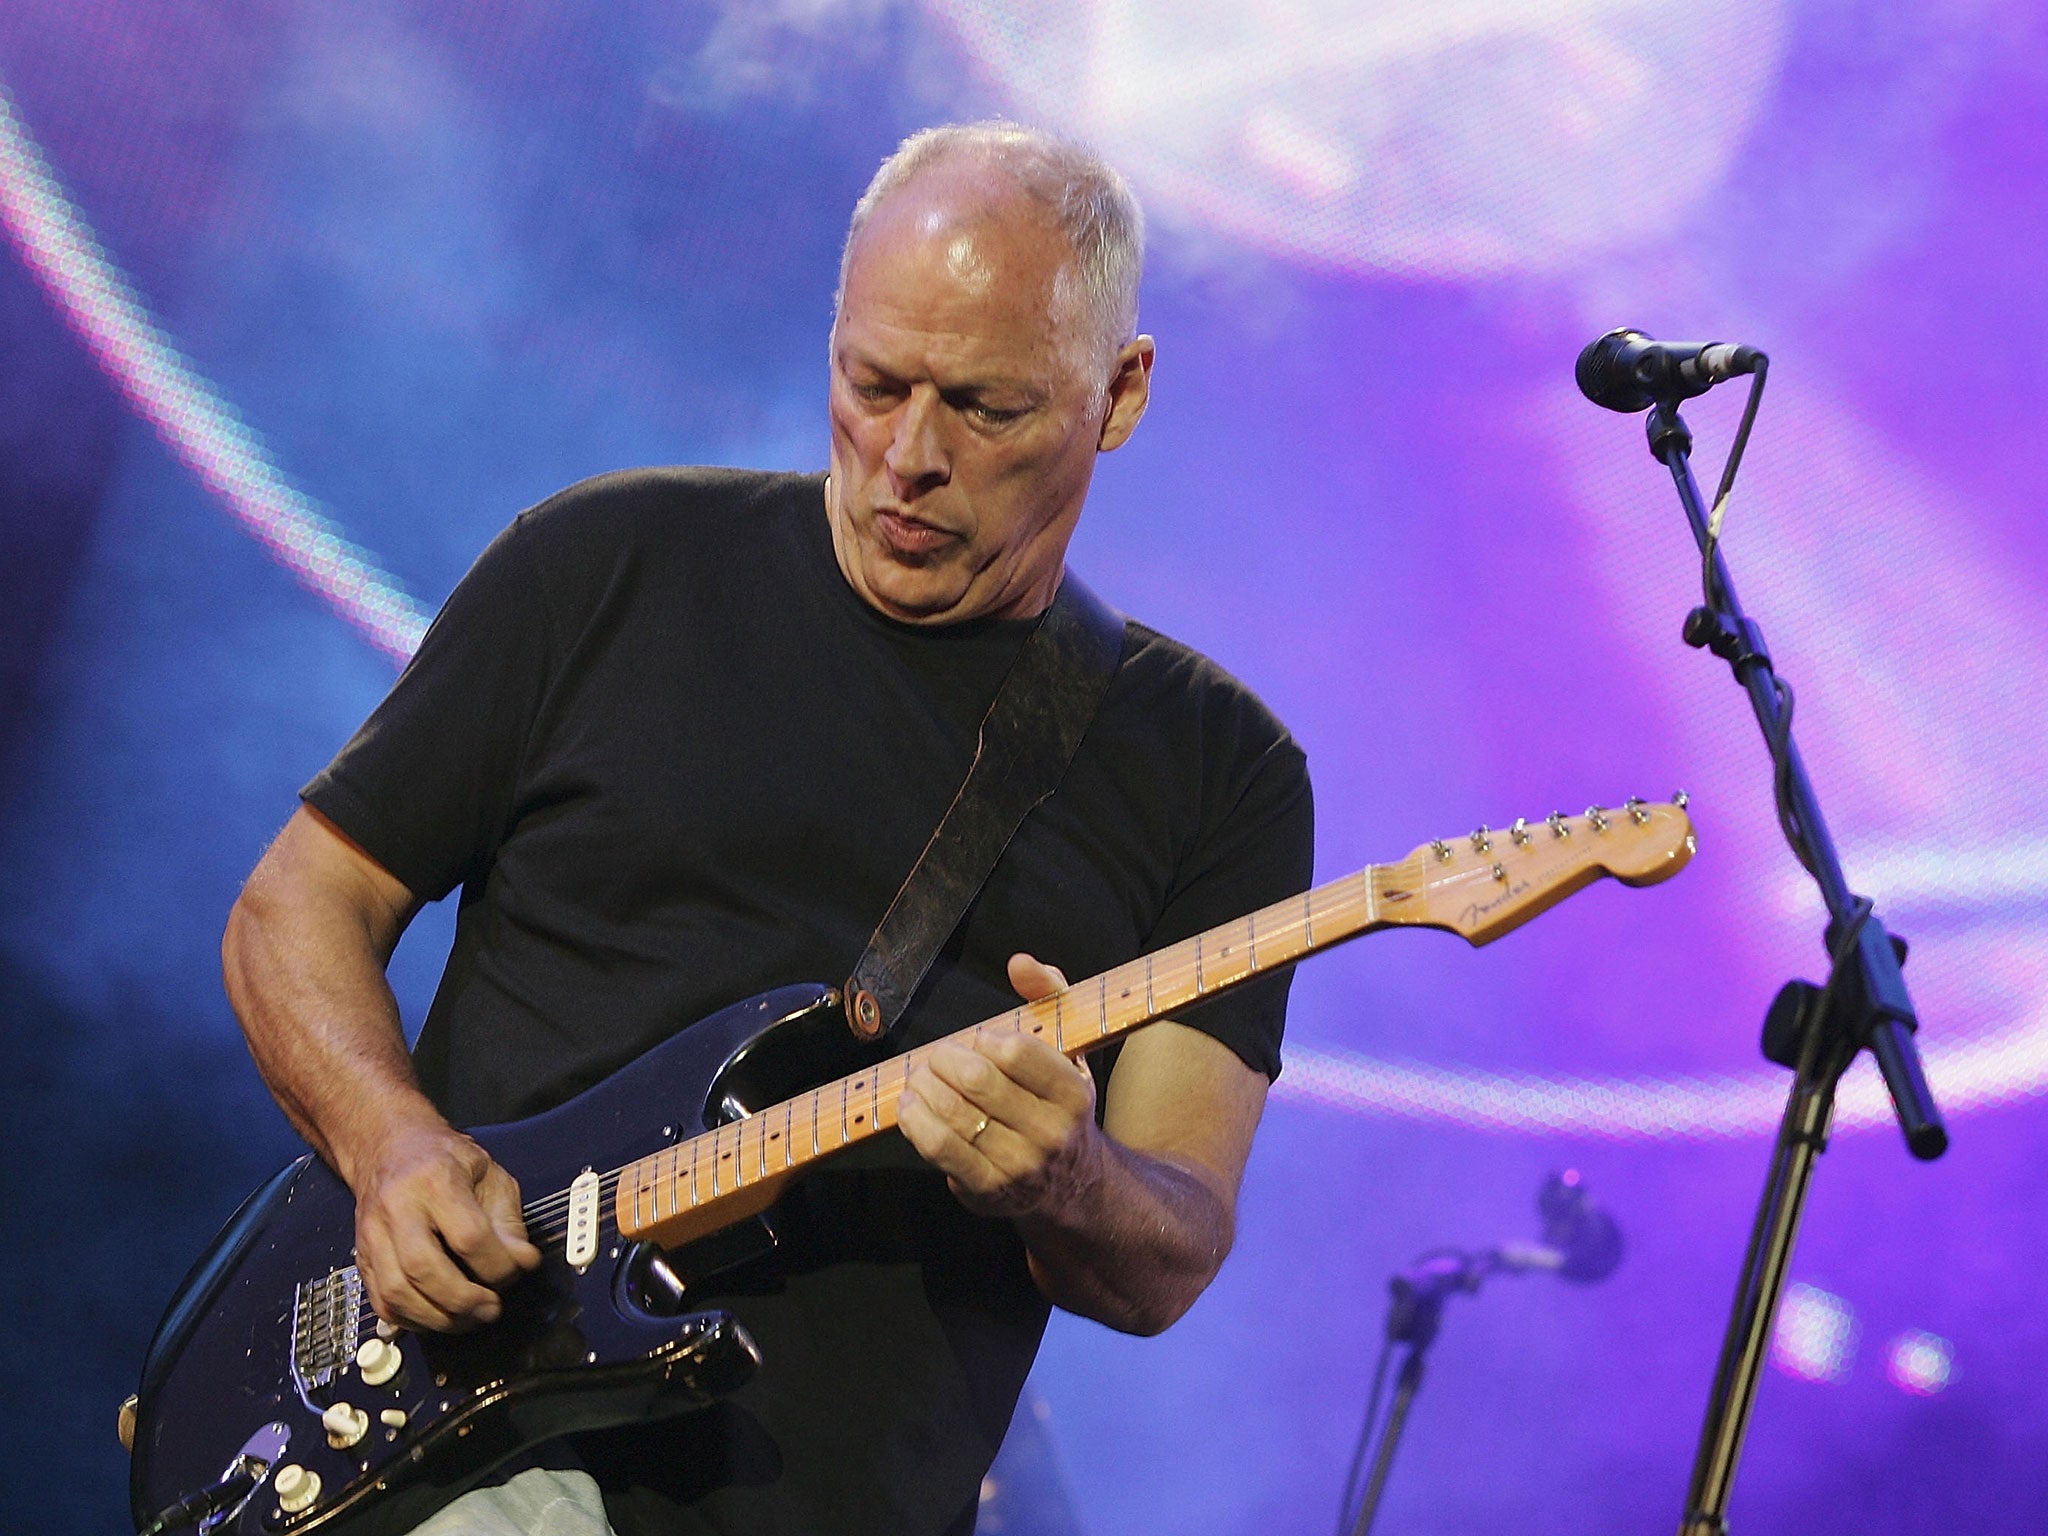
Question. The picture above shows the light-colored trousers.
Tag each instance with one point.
(536, 1502)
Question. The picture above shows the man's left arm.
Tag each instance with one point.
(1126, 1223)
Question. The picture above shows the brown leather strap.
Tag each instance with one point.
(1029, 735)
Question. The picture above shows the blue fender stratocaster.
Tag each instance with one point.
(269, 1404)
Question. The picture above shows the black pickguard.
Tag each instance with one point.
(571, 1351)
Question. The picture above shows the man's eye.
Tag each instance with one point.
(993, 415)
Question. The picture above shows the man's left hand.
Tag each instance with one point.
(1007, 1119)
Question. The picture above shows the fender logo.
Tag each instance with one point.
(1474, 911)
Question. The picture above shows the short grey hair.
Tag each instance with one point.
(1089, 203)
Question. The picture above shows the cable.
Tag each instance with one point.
(1709, 584)
(1779, 737)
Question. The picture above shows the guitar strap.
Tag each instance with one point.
(1028, 737)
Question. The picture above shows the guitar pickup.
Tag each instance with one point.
(579, 1244)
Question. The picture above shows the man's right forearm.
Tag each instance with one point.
(306, 979)
(438, 1224)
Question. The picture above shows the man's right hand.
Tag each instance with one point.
(438, 1230)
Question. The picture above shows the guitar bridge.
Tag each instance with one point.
(326, 1319)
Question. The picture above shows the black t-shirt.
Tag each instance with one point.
(672, 759)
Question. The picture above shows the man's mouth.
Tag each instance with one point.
(905, 535)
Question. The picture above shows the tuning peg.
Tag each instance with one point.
(1519, 832)
(1482, 841)
(1598, 816)
(1679, 799)
(1636, 813)
(1555, 821)
(1440, 848)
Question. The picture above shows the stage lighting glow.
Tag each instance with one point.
(1815, 1339)
(1920, 1363)
(195, 423)
(1941, 877)
(1442, 137)
(2001, 1068)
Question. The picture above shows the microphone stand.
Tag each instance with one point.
(1816, 1031)
(1413, 1316)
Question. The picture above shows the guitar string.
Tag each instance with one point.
(1183, 979)
(547, 1217)
(1186, 971)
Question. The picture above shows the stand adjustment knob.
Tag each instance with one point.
(345, 1425)
(296, 1488)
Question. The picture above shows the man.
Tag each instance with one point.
(678, 736)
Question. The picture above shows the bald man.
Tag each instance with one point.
(677, 737)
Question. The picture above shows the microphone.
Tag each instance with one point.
(1581, 1242)
(1627, 371)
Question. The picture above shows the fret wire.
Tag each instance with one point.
(1271, 936)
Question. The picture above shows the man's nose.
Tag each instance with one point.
(917, 459)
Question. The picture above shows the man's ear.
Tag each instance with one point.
(1130, 391)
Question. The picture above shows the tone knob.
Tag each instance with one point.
(296, 1488)
(379, 1360)
(345, 1425)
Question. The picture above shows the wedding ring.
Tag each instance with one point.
(978, 1130)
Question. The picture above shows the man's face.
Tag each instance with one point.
(966, 414)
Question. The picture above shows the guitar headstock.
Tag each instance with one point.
(1489, 882)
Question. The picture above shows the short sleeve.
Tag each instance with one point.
(427, 786)
(1256, 848)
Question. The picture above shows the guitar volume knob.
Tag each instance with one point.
(295, 1487)
(345, 1425)
(379, 1360)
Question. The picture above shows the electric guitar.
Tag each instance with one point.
(269, 1404)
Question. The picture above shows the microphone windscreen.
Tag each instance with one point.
(1605, 375)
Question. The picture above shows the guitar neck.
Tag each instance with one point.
(1480, 888)
(668, 1197)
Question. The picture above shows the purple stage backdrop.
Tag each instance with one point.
(299, 303)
